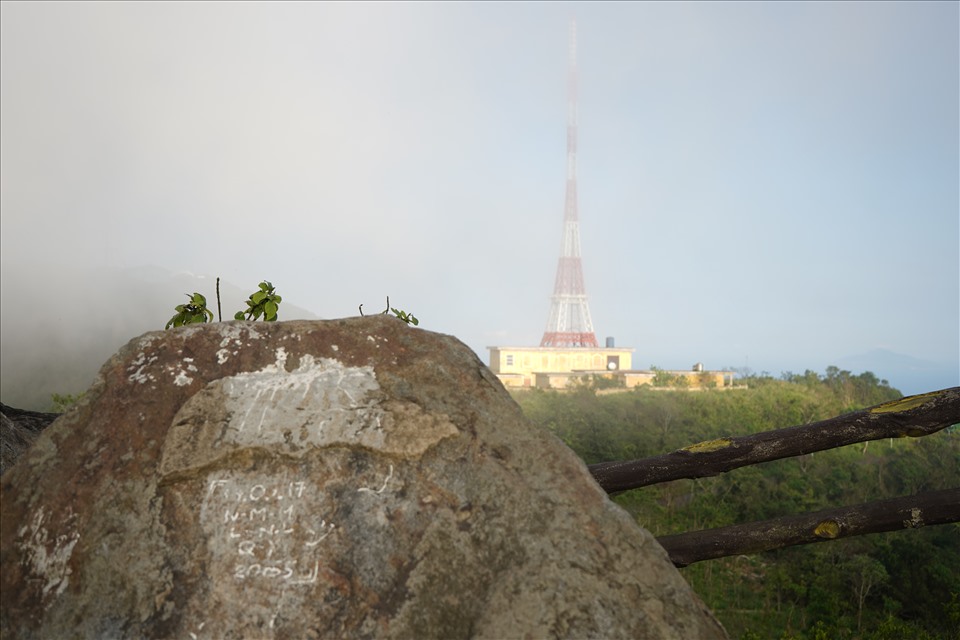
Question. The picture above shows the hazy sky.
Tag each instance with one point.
(763, 184)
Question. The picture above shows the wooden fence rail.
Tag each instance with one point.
(912, 416)
(911, 512)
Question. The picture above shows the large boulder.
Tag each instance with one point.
(354, 478)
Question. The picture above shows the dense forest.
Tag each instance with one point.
(888, 586)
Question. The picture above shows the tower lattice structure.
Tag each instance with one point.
(570, 324)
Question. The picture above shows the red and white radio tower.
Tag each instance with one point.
(570, 324)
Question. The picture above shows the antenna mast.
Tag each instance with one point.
(569, 324)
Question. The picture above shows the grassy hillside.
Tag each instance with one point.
(884, 586)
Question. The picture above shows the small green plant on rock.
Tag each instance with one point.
(193, 312)
(261, 303)
(264, 302)
(409, 318)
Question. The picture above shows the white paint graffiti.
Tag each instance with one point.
(271, 406)
(381, 489)
(265, 530)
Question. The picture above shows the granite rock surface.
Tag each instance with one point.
(352, 478)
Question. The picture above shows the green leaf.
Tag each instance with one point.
(258, 297)
(238, 315)
(270, 309)
(265, 286)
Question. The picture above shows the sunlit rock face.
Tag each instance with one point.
(355, 479)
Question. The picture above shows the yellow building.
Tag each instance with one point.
(519, 366)
(556, 368)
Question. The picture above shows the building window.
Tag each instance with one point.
(510, 360)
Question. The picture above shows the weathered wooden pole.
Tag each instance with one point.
(912, 416)
(911, 512)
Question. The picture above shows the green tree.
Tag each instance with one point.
(865, 573)
(707, 381)
(661, 378)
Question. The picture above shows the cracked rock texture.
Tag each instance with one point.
(351, 478)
